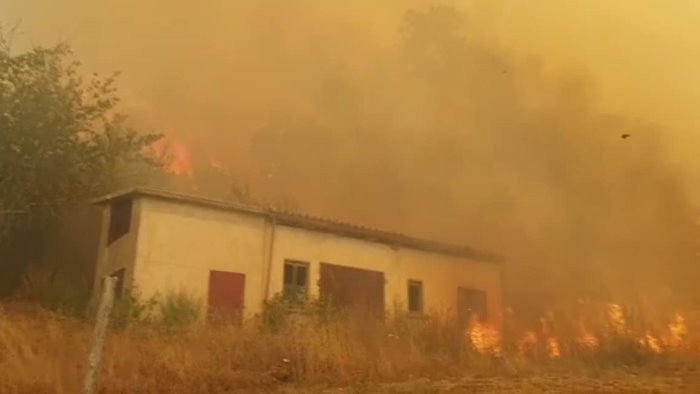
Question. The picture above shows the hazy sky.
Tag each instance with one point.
(644, 54)
(213, 73)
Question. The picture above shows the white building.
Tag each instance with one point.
(233, 257)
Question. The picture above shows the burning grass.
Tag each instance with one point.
(44, 352)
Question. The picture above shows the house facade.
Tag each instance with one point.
(233, 257)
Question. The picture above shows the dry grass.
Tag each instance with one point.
(46, 352)
(43, 352)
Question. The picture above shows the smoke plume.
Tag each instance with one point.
(408, 116)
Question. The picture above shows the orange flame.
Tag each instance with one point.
(526, 344)
(677, 331)
(650, 342)
(545, 340)
(177, 157)
(587, 340)
(485, 339)
(553, 350)
(616, 318)
(551, 341)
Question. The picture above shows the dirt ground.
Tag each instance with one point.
(678, 379)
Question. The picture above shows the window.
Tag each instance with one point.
(415, 296)
(119, 220)
(296, 279)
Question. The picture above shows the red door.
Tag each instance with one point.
(226, 290)
(359, 290)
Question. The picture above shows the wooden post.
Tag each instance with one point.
(98, 336)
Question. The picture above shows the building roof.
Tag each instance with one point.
(298, 220)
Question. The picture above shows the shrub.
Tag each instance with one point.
(53, 292)
(179, 309)
(64, 298)
(324, 312)
(275, 313)
(130, 309)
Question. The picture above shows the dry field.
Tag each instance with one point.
(44, 352)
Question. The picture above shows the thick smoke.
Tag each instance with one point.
(403, 116)
(447, 138)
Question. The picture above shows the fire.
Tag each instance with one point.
(527, 344)
(485, 339)
(178, 160)
(616, 318)
(677, 331)
(549, 341)
(650, 342)
(587, 340)
(553, 348)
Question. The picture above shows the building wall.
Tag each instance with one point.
(179, 244)
(441, 275)
(176, 246)
(119, 254)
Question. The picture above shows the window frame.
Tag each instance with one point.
(414, 283)
(302, 296)
(120, 214)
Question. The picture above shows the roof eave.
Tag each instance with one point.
(309, 222)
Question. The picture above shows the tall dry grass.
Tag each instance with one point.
(42, 352)
(45, 352)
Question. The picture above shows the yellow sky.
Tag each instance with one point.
(643, 55)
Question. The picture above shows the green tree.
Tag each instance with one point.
(62, 142)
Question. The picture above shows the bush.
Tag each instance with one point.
(324, 312)
(130, 309)
(179, 309)
(54, 292)
(275, 313)
(64, 298)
